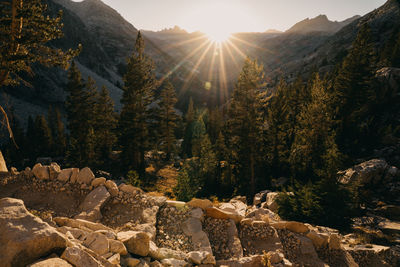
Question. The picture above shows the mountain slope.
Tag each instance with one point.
(320, 23)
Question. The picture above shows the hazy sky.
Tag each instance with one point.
(235, 15)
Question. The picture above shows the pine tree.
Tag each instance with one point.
(25, 32)
(314, 153)
(134, 120)
(167, 118)
(42, 136)
(105, 124)
(80, 105)
(189, 120)
(245, 125)
(198, 133)
(354, 92)
(57, 132)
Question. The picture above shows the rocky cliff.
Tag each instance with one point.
(67, 217)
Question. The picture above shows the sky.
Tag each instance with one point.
(225, 16)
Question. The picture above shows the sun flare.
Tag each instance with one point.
(218, 36)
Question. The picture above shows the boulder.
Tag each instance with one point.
(24, 234)
(41, 172)
(334, 242)
(260, 197)
(234, 206)
(201, 257)
(97, 243)
(80, 258)
(74, 175)
(271, 201)
(91, 206)
(85, 176)
(174, 263)
(64, 175)
(200, 203)
(99, 181)
(80, 224)
(115, 259)
(130, 262)
(3, 165)
(54, 170)
(137, 243)
(176, 204)
(296, 227)
(318, 239)
(117, 247)
(217, 213)
(369, 172)
(129, 189)
(53, 262)
(112, 188)
(164, 253)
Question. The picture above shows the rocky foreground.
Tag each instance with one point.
(54, 217)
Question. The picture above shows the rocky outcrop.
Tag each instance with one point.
(123, 226)
(25, 238)
(373, 172)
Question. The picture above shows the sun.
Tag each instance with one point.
(218, 35)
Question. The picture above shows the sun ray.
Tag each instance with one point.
(223, 83)
(236, 49)
(226, 46)
(212, 64)
(175, 45)
(180, 63)
(190, 76)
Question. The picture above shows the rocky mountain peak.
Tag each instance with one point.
(320, 23)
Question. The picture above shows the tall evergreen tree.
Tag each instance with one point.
(134, 120)
(59, 141)
(80, 105)
(245, 125)
(42, 136)
(167, 118)
(187, 139)
(104, 126)
(314, 153)
(354, 93)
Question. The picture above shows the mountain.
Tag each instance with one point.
(320, 23)
(189, 59)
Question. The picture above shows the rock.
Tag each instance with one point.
(365, 173)
(41, 172)
(200, 203)
(80, 258)
(112, 188)
(74, 175)
(374, 256)
(80, 224)
(137, 243)
(174, 263)
(271, 201)
(318, 239)
(53, 262)
(54, 170)
(217, 213)
(260, 197)
(176, 204)
(389, 211)
(201, 257)
(24, 234)
(129, 189)
(64, 175)
(91, 206)
(85, 176)
(76, 233)
(165, 253)
(234, 206)
(98, 181)
(389, 227)
(193, 227)
(97, 242)
(3, 165)
(334, 242)
(115, 259)
(296, 227)
(117, 247)
(155, 264)
(253, 261)
(130, 262)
